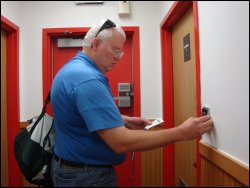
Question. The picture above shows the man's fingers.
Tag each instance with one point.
(204, 118)
(207, 125)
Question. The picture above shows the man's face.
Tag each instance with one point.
(109, 52)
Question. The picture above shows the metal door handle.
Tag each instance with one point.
(132, 156)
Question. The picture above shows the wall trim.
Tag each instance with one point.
(233, 167)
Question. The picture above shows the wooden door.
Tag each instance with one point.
(184, 80)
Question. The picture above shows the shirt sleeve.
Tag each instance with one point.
(96, 106)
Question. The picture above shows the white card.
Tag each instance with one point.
(154, 123)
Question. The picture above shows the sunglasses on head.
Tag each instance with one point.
(106, 25)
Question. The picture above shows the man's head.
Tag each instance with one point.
(103, 43)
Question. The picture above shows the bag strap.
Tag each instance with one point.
(46, 102)
(47, 138)
(42, 113)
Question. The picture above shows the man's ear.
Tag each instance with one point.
(95, 43)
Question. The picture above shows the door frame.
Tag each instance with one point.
(175, 13)
(12, 77)
(47, 36)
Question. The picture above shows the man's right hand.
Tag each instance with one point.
(195, 127)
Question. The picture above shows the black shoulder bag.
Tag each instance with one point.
(33, 148)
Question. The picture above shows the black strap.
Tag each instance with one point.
(42, 113)
(47, 138)
(46, 101)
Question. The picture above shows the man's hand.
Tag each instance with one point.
(195, 127)
(135, 123)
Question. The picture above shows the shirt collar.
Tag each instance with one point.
(89, 61)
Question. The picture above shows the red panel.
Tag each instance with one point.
(168, 105)
(137, 95)
(47, 67)
(122, 73)
(174, 14)
(48, 35)
(62, 55)
(12, 74)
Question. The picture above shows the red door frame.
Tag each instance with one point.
(12, 77)
(48, 34)
(177, 10)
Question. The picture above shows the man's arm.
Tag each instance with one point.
(120, 139)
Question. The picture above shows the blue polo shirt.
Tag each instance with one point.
(82, 103)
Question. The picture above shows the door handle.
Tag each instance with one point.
(128, 94)
(124, 101)
(132, 156)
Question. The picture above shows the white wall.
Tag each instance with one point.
(224, 62)
(224, 59)
(12, 11)
(38, 15)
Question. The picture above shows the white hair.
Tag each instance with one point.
(104, 34)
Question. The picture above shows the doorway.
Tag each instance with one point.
(181, 90)
(184, 82)
(127, 71)
(10, 123)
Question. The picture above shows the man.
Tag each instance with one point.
(91, 134)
